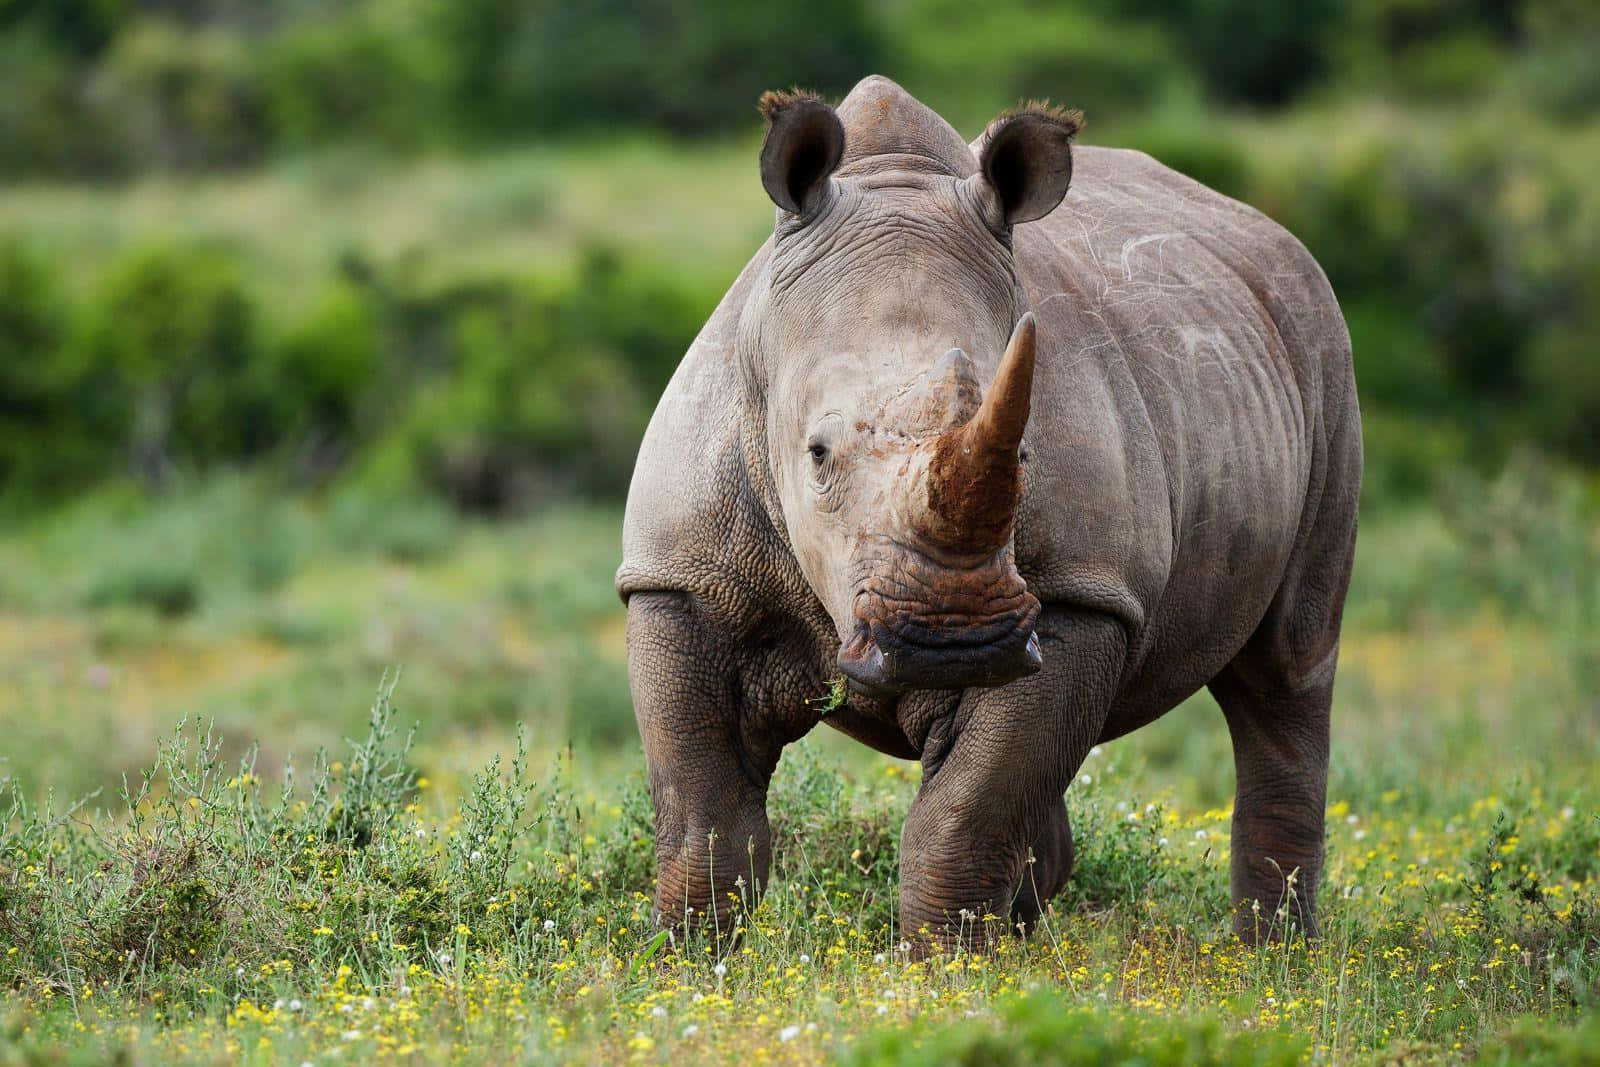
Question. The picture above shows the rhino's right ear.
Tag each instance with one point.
(805, 141)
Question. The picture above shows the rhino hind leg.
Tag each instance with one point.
(1280, 753)
(1277, 694)
(1048, 869)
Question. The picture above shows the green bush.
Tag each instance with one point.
(357, 71)
(46, 125)
(524, 390)
(1252, 51)
(522, 415)
(323, 381)
(181, 99)
(172, 363)
(1462, 267)
(518, 67)
(41, 440)
(968, 61)
(169, 587)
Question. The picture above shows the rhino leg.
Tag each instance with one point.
(1047, 870)
(993, 775)
(1277, 694)
(713, 716)
(1280, 754)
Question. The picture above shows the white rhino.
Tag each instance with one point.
(1029, 465)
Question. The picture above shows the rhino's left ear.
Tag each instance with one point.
(805, 142)
(1025, 162)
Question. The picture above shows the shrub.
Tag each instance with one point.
(696, 68)
(324, 78)
(44, 445)
(1250, 51)
(181, 100)
(171, 371)
(1455, 263)
(76, 27)
(170, 587)
(46, 125)
(531, 389)
(322, 382)
(1110, 69)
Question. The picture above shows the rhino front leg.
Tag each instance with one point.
(1047, 869)
(993, 777)
(711, 743)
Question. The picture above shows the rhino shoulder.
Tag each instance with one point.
(692, 522)
(1152, 203)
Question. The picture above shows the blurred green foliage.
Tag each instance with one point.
(1437, 159)
(115, 86)
(495, 392)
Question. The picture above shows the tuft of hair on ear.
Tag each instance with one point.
(1070, 117)
(774, 101)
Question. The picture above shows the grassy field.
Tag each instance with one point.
(480, 894)
(184, 879)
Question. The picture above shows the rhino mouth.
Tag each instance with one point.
(905, 650)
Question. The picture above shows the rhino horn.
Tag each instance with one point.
(975, 473)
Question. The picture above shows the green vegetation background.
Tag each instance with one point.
(458, 246)
(327, 334)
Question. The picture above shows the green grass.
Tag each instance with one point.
(481, 894)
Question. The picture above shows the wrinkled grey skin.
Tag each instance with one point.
(1189, 477)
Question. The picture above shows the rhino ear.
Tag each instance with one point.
(805, 141)
(1025, 162)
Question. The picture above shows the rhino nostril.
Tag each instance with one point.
(1035, 654)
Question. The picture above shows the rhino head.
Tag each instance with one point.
(887, 349)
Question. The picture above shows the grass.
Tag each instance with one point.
(480, 892)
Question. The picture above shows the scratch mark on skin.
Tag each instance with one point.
(1135, 243)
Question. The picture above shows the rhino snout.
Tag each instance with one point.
(904, 650)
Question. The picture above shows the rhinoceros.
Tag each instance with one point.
(1028, 443)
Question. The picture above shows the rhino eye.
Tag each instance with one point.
(819, 452)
